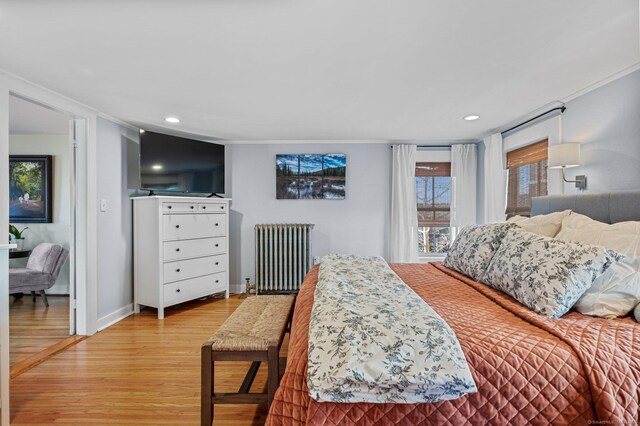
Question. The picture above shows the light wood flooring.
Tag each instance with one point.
(34, 328)
(140, 371)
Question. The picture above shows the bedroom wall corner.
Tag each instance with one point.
(115, 226)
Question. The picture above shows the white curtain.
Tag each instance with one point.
(464, 165)
(495, 180)
(404, 210)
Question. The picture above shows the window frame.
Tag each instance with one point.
(533, 154)
(443, 169)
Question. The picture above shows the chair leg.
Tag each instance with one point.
(33, 296)
(44, 298)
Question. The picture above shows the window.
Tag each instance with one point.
(433, 190)
(527, 177)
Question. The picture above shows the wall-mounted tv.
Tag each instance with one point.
(175, 164)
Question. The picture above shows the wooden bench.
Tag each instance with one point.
(254, 332)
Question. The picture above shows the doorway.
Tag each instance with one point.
(42, 220)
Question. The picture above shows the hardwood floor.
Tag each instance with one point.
(139, 371)
(34, 328)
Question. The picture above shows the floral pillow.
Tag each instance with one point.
(545, 274)
(473, 248)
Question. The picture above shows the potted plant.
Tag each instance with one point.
(18, 235)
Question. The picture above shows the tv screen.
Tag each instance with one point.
(174, 164)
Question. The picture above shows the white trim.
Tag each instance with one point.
(86, 255)
(115, 316)
(236, 288)
(562, 101)
(307, 142)
(602, 82)
(440, 155)
(432, 258)
(118, 121)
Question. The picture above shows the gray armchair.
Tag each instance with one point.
(41, 273)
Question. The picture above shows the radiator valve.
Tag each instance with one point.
(250, 289)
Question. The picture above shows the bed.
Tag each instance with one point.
(529, 369)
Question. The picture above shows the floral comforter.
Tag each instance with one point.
(373, 339)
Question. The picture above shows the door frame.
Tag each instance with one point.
(86, 180)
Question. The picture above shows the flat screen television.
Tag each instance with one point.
(174, 164)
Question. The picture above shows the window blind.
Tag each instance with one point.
(527, 177)
(433, 190)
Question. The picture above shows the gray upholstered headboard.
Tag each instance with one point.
(609, 207)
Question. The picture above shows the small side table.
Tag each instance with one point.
(19, 254)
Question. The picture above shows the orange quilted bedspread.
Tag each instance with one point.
(529, 369)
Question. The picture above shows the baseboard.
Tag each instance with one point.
(236, 288)
(115, 316)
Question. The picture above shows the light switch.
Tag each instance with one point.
(103, 205)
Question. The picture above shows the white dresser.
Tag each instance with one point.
(181, 250)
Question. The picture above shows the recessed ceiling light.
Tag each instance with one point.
(157, 167)
(172, 120)
(471, 117)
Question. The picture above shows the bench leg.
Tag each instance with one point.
(206, 386)
(273, 374)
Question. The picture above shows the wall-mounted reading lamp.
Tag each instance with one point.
(567, 155)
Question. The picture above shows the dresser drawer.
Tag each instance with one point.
(189, 268)
(185, 249)
(189, 226)
(212, 207)
(181, 291)
(179, 207)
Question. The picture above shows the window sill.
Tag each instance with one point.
(431, 258)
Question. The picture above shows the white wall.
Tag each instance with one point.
(359, 224)
(115, 235)
(59, 231)
(606, 122)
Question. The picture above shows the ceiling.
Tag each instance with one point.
(26, 117)
(319, 69)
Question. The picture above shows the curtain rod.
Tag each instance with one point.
(562, 109)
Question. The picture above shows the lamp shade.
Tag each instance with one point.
(564, 155)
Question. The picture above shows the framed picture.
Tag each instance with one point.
(30, 189)
(311, 176)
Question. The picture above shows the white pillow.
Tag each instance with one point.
(623, 237)
(547, 225)
(636, 313)
(617, 291)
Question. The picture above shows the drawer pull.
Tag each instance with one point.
(177, 270)
(204, 207)
(217, 281)
(177, 226)
(192, 207)
(169, 207)
(177, 290)
(177, 249)
(222, 207)
(216, 224)
(217, 263)
(217, 245)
